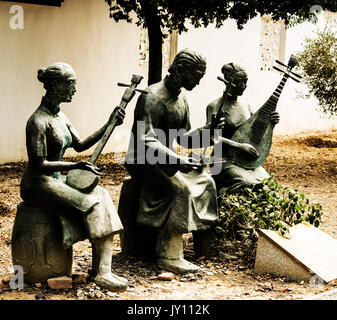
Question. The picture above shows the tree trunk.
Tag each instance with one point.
(155, 44)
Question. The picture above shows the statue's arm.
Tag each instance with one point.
(202, 136)
(81, 145)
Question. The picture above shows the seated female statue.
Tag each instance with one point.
(235, 112)
(48, 134)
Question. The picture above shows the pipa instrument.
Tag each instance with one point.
(258, 129)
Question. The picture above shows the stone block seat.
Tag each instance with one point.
(138, 240)
(39, 244)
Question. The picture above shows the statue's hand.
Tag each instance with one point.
(119, 114)
(187, 164)
(274, 118)
(248, 148)
(88, 166)
(213, 125)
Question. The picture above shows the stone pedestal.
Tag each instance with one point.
(136, 240)
(307, 254)
(37, 245)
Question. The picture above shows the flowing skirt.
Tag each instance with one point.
(82, 215)
(182, 203)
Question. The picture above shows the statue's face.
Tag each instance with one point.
(66, 89)
(190, 77)
(240, 83)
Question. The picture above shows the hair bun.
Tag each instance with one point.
(40, 74)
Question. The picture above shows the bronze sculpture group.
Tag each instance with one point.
(176, 195)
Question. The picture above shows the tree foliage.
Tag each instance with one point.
(161, 17)
(318, 60)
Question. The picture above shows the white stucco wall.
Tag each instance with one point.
(228, 44)
(101, 51)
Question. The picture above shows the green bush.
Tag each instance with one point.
(266, 206)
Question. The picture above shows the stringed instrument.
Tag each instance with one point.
(84, 180)
(258, 130)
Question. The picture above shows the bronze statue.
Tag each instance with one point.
(176, 196)
(83, 215)
(235, 112)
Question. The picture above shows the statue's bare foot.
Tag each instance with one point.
(93, 273)
(107, 281)
(177, 265)
(119, 278)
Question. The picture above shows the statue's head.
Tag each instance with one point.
(236, 75)
(59, 80)
(187, 69)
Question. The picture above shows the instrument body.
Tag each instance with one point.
(84, 180)
(258, 129)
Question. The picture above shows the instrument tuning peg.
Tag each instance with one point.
(296, 74)
(128, 85)
(123, 84)
(281, 63)
(226, 82)
(278, 69)
(142, 91)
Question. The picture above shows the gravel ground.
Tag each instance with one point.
(306, 162)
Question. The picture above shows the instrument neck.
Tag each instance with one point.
(280, 86)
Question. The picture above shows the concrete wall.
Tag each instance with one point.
(101, 51)
(228, 44)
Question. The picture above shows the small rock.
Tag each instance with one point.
(183, 279)
(60, 283)
(79, 293)
(82, 264)
(209, 273)
(166, 276)
(112, 294)
(38, 285)
(79, 278)
(91, 294)
(287, 279)
(6, 280)
(227, 256)
(201, 258)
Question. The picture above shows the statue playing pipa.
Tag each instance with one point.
(243, 125)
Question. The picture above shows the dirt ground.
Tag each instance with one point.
(306, 162)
